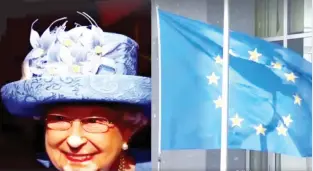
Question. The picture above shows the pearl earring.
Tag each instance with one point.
(125, 146)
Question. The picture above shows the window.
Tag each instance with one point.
(297, 37)
(299, 16)
(269, 18)
(303, 46)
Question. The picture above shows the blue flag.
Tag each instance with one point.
(269, 91)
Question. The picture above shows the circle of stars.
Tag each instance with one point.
(236, 120)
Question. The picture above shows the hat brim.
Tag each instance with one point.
(25, 97)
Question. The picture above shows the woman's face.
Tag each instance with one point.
(85, 137)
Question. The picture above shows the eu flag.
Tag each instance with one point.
(269, 91)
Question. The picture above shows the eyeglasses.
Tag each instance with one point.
(89, 124)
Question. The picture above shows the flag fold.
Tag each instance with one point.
(269, 90)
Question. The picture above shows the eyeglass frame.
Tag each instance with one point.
(70, 120)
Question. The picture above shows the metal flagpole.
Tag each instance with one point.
(311, 89)
(224, 120)
(159, 64)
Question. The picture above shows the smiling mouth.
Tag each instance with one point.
(79, 158)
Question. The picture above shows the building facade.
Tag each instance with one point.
(285, 22)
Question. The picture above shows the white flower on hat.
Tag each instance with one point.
(80, 50)
(43, 43)
(94, 39)
(65, 55)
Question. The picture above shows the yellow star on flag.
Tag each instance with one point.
(213, 78)
(297, 100)
(281, 130)
(276, 65)
(218, 60)
(254, 55)
(236, 121)
(218, 102)
(260, 129)
(287, 120)
(291, 77)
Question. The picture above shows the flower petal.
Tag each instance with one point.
(86, 67)
(79, 53)
(76, 33)
(93, 62)
(64, 38)
(65, 55)
(97, 34)
(53, 53)
(34, 36)
(48, 37)
(61, 69)
(38, 52)
(86, 39)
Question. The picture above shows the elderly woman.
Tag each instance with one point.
(82, 84)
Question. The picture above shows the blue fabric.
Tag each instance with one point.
(81, 64)
(260, 95)
(146, 166)
(25, 97)
(142, 160)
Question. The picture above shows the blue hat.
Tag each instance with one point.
(83, 64)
